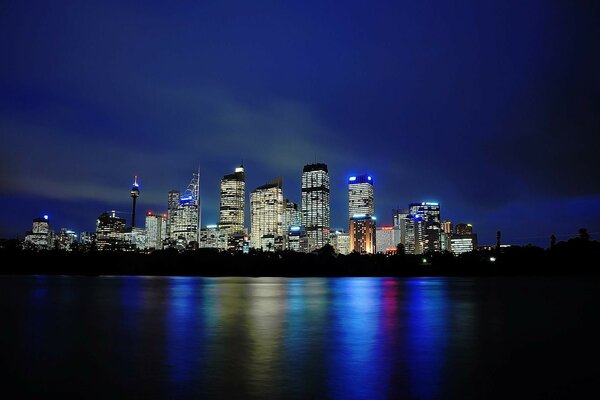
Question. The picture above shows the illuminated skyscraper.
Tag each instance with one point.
(387, 239)
(40, 236)
(362, 234)
(156, 228)
(110, 232)
(266, 216)
(360, 196)
(464, 229)
(316, 203)
(233, 203)
(426, 217)
(184, 218)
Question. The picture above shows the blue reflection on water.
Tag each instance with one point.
(356, 369)
(185, 333)
(427, 331)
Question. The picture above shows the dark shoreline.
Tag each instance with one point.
(573, 258)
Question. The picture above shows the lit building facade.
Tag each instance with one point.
(463, 243)
(387, 239)
(426, 216)
(362, 234)
(212, 237)
(110, 232)
(340, 241)
(184, 215)
(266, 215)
(156, 229)
(40, 237)
(232, 203)
(316, 203)
(464, 229)
(360, 195)
(447, 227)
(65, 239)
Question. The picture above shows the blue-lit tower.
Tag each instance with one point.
(360, 195)
(135, 193)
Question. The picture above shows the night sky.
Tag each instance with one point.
(490, 108)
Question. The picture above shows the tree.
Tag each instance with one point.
(583, 234)
(400, 250)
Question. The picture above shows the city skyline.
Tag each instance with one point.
(488, 109)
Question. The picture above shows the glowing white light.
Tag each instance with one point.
(352, 179)
(46, 217)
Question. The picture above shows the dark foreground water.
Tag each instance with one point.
(302, 338)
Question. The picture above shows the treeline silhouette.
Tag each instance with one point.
(577, 256)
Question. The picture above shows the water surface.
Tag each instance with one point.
(300, 338)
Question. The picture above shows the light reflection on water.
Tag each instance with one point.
(343, 338)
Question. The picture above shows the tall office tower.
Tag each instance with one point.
(266, 216)
(340, 241)
(172, 206)
(362, 234)
(233, 203)
(387, 239)
(360, 196)
(155, 230)
(40, 236)
(294, 236)
(65, 239)
(464, 229)
(447, 227)
(316, 203)
(402, 220)
(427, 226)
(291, 214)
(135, 193)
(185, 224)
(110, 231)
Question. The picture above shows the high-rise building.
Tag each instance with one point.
(65, 239)
(463, 243)
(266, 216)
(360, 195)
(40, 237)
(110, 232)
(184, 216)
(464, 240)
(316, 203)
(172, 206)
(362, 234)
(156, 228)
(212, 237)
(340, 241)
(447, 227)
(426, 216)
(464, 229)
(387, 239)
(233, 202)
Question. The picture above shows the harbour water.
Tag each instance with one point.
(299, 338)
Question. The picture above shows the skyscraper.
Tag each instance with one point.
(427, 226)
(155, 230)
(266, 216)
(360, 196)
(316, 203)
(232, 204)
(184, 216)
(362, 234)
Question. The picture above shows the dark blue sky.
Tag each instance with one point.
(490, 108)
